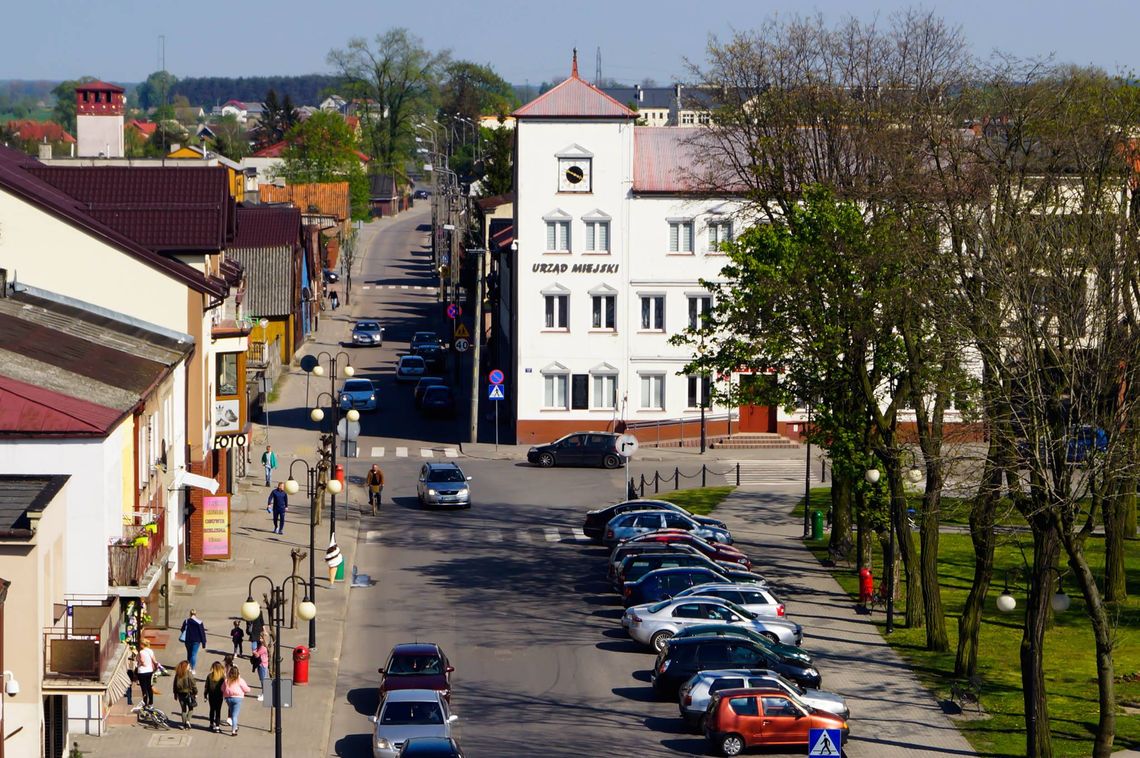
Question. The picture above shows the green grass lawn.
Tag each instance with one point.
(1069, 661)
(699, 501)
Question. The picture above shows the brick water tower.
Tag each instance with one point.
(99, 120)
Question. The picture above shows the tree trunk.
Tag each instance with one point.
(841, 490)
(1116, 507)
(935, 616)
(904, 543)
(982, 537)
(1046, 549)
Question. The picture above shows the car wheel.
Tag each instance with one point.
(546, 460)
(658, 640)
(611, 461)
(772, 636)
(731, 744)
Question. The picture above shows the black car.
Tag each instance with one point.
(331, 277)
(633, 567)
(681, 658)
(626, 549)
(579, 449)
(666, 582)
(421, 194)
(438, 400)
(434, 355)
(595, 524)
(422, 385)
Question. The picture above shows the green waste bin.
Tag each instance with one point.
(340, 572)
(817, 525)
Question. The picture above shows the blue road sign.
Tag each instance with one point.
(453, 310)
(496, 376)
(495, 392)
(825, 742)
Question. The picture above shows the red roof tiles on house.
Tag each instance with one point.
(30, 410)
(145, 128)
(664, 160)
(267, 226)
(100, 86)
(39, 131)
(574, 98)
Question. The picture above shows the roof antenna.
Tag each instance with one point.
(598, 68)
(574, 65)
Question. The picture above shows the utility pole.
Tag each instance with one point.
(477, 338)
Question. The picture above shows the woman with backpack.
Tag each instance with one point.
(185, 691)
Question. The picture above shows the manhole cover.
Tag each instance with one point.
(169, 740)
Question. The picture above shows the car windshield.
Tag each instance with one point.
(358, 385)
(437, 392)
(446, 475)
(412, 361)
(415, 665)
(367, 326)
(403, 713)
(424, 337)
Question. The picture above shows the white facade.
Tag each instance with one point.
(658, 250)
(99, 135)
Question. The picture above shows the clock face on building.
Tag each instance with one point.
(573, 174)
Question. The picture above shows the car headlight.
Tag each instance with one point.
(383, 744)
(372, 397)
(431, 492)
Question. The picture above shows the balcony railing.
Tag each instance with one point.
(136, 552)
(82, 642)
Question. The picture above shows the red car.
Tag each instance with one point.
(416, 666)
(714, 551)
(738, 719)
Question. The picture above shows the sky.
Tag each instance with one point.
(526, 41)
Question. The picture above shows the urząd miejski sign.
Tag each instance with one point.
(575, 268)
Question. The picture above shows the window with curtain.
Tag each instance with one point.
(597, 236)
(604, 312)
(653, 392)
(653, 313)
(556, 390)
(604, 391)
(680, 236)
(557, 307)
(558, 236)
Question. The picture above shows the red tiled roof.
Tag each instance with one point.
(146, 128)
(574, 98)
(164, 208)
(100, 86)
(330, 198)
(28, 409)
(267, 226)
(277, 149)
(664, 159)
(38, 131)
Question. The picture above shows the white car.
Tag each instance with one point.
(751, 597)
(409, 713)
(653, 624)
(693, 697)
(410, 368)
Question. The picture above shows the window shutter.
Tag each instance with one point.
(603, 236)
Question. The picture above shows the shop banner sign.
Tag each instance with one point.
(216, 526)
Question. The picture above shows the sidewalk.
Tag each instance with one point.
(216, 590)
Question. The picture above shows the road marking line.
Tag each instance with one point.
(377, 452)
(401, 452)
(372, 536)
(552, 534)
(579, 535)
(523, 536)
(495, 535)
(368, 286)
(451, 452)
(427, 452)
(435, 535)
(403, 286)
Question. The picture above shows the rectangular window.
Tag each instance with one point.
(699, 306)
(605, 391)
(699, 391)
(686, 117)
(225, 378)
(605, 312)
(720, 232)
(653, 313)
(558, 236)
(652, 392)
(680, 236)
(556, 311)
(555, 386)
(597, 236)
(579, 392)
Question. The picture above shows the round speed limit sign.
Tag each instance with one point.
(461, 345)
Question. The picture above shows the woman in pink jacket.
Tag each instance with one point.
(234, 691)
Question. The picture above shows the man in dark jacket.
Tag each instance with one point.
(277, 505)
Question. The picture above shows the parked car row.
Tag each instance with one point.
(414, 718)
(726, 649)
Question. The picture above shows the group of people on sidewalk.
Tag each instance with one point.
(222, 684)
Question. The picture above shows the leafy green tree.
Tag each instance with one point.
(230, 138)
(498, 177)
(277, 118)
(323, 149)
(64, 109)
(156, 90)
(471, 90)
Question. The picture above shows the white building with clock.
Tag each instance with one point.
(612, 243)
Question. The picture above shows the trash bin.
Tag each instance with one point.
(339, 474)
(301, 665)
(817, 525)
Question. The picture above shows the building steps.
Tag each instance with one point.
(754, 440)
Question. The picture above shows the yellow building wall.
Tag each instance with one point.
(128, 466)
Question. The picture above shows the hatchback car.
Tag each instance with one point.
(410, 368)
(718, 551)
(431, 747)
(654, 625)
(443, 484)
(579, 449)
(628, 525)
(367, 334)
(665, 583)
(422, 384)
(682, 658)
(739, 719)
(438, 400)
(753, 598)
(636, 566)
(359, 394)
(595, 524)
(693, 697)
(626, 549)
(416, 666)
(433, 353)
(330, 276)
(406, 714)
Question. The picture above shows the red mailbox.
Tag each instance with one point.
(301, 665)
(339, 474)
(866, 585)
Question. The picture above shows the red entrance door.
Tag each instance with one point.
(757, 418)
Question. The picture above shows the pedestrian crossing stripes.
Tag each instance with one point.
(764, 472)
(412, 287)
(550, 534)
(424, 452)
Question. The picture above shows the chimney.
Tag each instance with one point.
(175, 147)
(45, 151)
(639, 95)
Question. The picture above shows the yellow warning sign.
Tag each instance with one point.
(461, 331)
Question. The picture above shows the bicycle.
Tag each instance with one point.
(149, 716)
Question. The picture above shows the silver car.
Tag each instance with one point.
(410, 368)
(626, 525)
(655, 623)
(693, 697)
(409, 713)
(367, 333)
(443, 483)
(751, 597)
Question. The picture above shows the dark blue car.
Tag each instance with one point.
(666, 582)
(1083, 441)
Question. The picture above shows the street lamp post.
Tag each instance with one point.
(317, 415)
(316, 479)
(250, 610)
(914, 475)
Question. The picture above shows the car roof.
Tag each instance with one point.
(718, 586)
(434, 466)
(435, 389)
(739, 691)
(414, 696)
(425, 379)
(416, 648)
(722, 673)
(678, 569)
(412, 358)
(697, 640)
(357, 380)
(360, 321)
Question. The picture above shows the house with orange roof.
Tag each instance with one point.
(30, 135)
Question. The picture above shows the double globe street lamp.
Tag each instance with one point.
(251, 610)
(871, 476)
(313, 365)
(317, 479)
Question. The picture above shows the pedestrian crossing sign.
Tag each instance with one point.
(825, 742)
(495, 392)
(461, 331)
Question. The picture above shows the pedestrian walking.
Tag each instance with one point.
(254, 630)
(277, 504)
(269, 461)
(215, 680)
(261, 655)
(334, 299)
(375, 482)
(185, 691)
(146, 665)
(234, 690)
(238, 637)
(194, 637)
